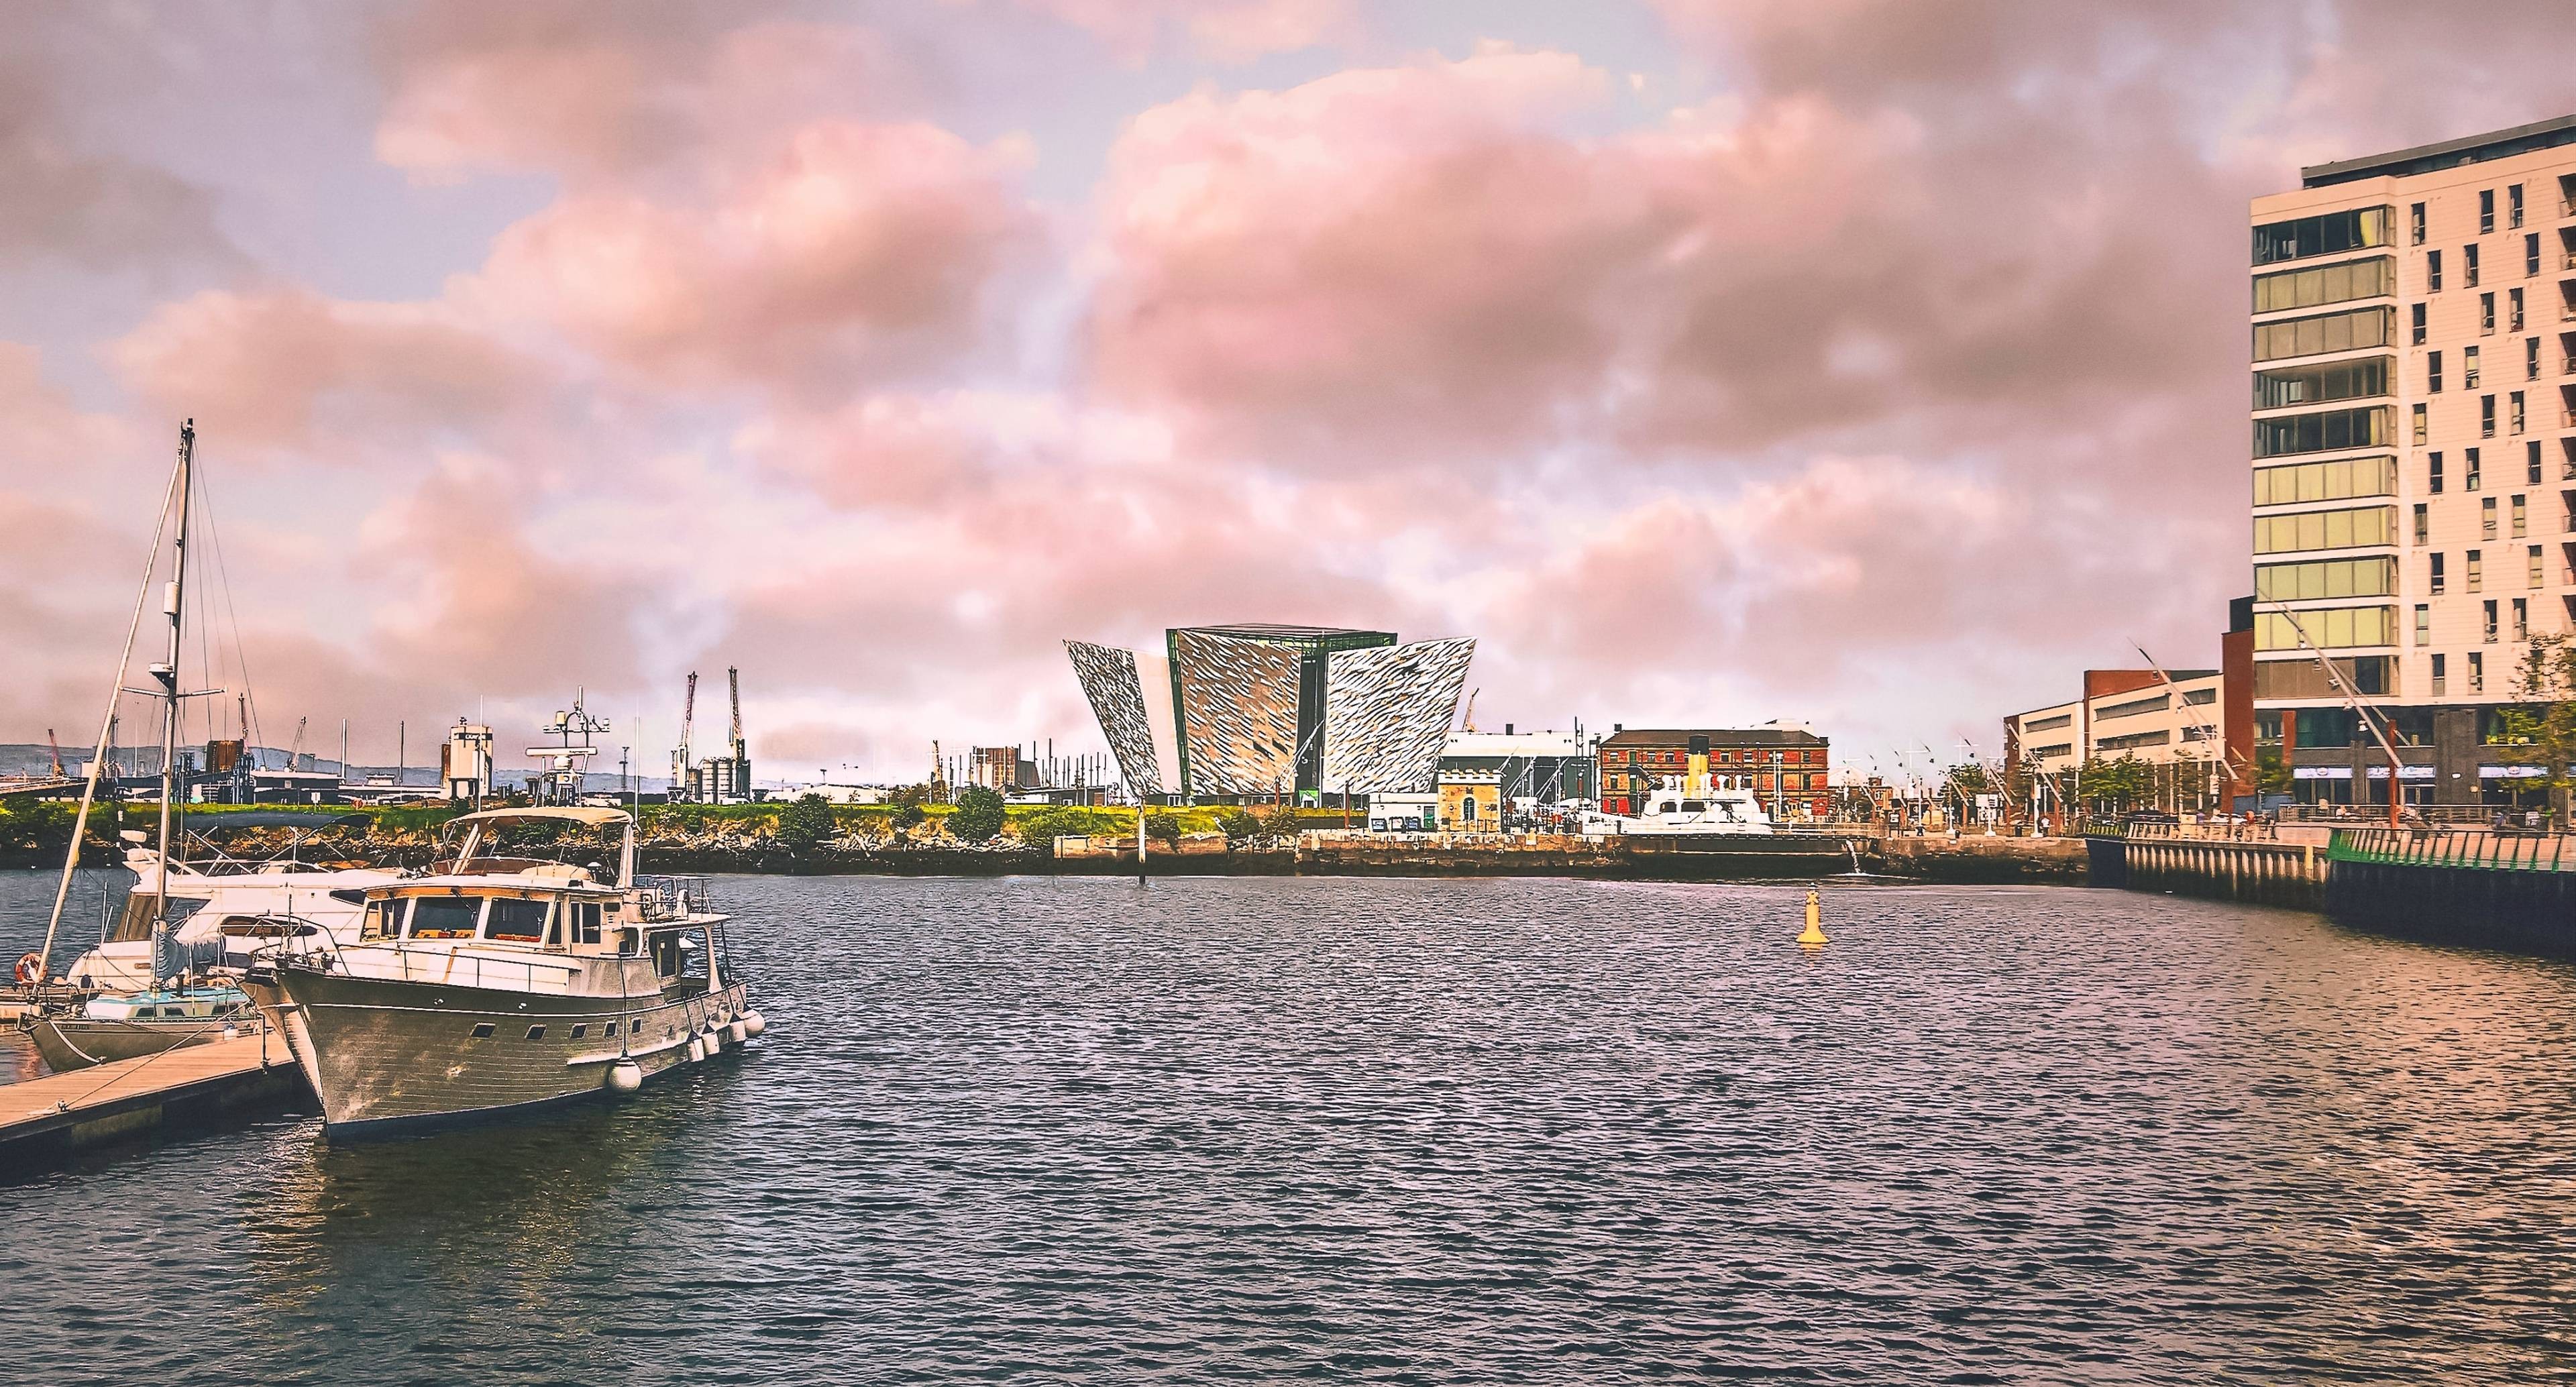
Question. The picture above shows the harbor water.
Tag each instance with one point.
(1079, 1130)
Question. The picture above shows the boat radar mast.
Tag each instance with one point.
(564, 762)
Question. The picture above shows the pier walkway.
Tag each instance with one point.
(42, 1120)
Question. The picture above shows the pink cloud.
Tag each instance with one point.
(1227, 31)
(847, 248)
(285, 368)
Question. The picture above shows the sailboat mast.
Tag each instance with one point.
(168, 673)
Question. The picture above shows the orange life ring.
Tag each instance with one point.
(31, 969)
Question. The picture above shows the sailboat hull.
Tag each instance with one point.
(77, 1042)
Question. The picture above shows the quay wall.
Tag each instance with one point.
(2487, 907)
(2260, 872)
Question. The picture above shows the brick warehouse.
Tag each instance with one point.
(1785, 766)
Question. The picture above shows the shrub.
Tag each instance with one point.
(1164, 827)
(1282, 822)
(1237, 825)
(909, 816)
(806, 823)
(979, 813)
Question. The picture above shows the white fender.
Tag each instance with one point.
(697, 1049)
(625, 1076)
(752, 1024)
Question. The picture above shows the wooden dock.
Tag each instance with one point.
(44, 1120)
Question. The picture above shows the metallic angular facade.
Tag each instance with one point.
(1387, 713)
(1109, 682)
(1239, 713)
(1258, 710)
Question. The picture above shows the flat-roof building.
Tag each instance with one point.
(2413, 453)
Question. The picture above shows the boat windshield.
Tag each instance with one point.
(449, 917)
(516, 921)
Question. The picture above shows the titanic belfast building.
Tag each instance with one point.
(1253, 711)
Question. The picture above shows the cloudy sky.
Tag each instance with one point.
(1873, 363)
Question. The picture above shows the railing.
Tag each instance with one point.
(455, 967)
(667, 898)
(2488, 849)
(2359, 815)
(2243, 831)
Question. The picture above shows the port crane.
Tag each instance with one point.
(58, 752)
(680, 786)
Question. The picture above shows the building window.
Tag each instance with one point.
(2438, 681)
(2531, 358)
(2327, 234)
(2298, 582)
(2356, 279)
(2486, 314)
(2468, 267)
(2326, 628)
(2470, 482)
(2520, 517)
(2531, 570)
(2521, 619)
(2513, 205)
(2531, 462)
(2423, 624)
(2477, 671)
(2432, 374)
(2362, 528)
(2489, 608)
(2487, 516)
(2432, 468)
(2531, 254)
(2433, 574)
(2486, 416)
(2349, 330)
(2513, 310)
(2419, 423)
(2339, 480)
(2486, 210)
(2423, 522)
(2415, 224)
(2433, 271)
(2321, 432)
(2513, 411)
(2286, 386)
(2477, 567)
(2468, 368)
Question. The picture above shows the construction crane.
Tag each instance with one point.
(738, 768)
(295, 749)
(58, 752)
(1468, 723)
(733, 687)
(680, 758)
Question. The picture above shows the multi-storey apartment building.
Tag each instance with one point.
(2414, 455)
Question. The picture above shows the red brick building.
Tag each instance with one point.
(1785, 766)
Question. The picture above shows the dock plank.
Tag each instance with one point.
(84, 1097)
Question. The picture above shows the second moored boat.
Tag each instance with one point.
(505, 983)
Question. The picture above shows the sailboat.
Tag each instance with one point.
(178, 1005)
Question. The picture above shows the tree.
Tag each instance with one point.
(909, 816)
(1283, 821)
(1164, 827)
(806, 823)
(979, 813)
(2548, 680)
(2114, 785)
(2272, 773)
(1237, 825)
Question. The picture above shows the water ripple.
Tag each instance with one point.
(1422, 1132)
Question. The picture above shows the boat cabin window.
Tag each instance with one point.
(1694, 806)
(666, 955)
(383, 920)
(585, 922)
(444, 917)
(516, 921)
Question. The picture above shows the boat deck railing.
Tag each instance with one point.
(397, 964)
(668, 898)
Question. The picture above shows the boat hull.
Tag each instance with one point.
(76, 1042)
(386, 1055)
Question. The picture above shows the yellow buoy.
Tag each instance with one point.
(1815, 934)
